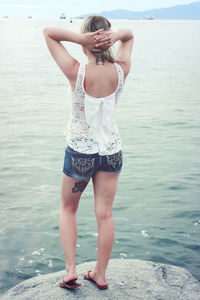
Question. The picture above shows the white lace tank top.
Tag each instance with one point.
(91, 128)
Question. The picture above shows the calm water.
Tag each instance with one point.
(157, 207)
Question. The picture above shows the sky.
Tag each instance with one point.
(72, 8)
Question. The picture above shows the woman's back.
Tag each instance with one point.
(100, 80)
(91, 127)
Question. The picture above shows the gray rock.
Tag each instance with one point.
(127, 278)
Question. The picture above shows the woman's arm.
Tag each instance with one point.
(124, 50)
(87, 40)
(125, 38)
(67, 63)
(123, 35)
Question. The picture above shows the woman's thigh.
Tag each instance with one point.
(71, 190)
(105, 187)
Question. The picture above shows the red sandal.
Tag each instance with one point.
(88, 277)
(71, 284)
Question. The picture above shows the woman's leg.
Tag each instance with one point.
(105, 186)
(71, 191)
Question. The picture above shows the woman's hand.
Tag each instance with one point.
(97, 41)
(104, 40)
(88, 39)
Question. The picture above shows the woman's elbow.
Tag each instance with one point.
(45, 30)
(131, 34)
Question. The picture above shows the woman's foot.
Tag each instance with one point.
(70, 276)
(97, 279)
(69, 281)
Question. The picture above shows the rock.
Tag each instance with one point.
(127, 278)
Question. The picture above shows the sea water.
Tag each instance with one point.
(157, 207)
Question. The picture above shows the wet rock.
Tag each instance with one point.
(127, 278)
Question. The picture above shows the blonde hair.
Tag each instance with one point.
(94, 23)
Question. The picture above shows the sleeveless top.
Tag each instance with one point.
(91, 128)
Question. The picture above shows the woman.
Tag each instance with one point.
(93, 142)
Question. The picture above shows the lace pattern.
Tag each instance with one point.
(77, 130)
(114, 161)
(82, 166)
(120, 83)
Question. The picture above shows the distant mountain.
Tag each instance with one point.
(187, 11)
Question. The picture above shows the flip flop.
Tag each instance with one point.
(88, 277)
(71, 284)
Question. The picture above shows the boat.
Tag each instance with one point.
(5, 17)
(29, 17)
(62, 16)
(149, 18)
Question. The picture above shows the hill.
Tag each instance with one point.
(186, 12)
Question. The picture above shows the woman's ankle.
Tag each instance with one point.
(71, 269)
(99, 272)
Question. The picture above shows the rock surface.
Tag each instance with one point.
(127, 278)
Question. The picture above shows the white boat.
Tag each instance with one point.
(62, 16)
(149, 18)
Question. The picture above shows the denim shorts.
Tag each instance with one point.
(83, 166)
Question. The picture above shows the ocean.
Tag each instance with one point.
(157, 207)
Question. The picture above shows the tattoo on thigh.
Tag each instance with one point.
(79, 186)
